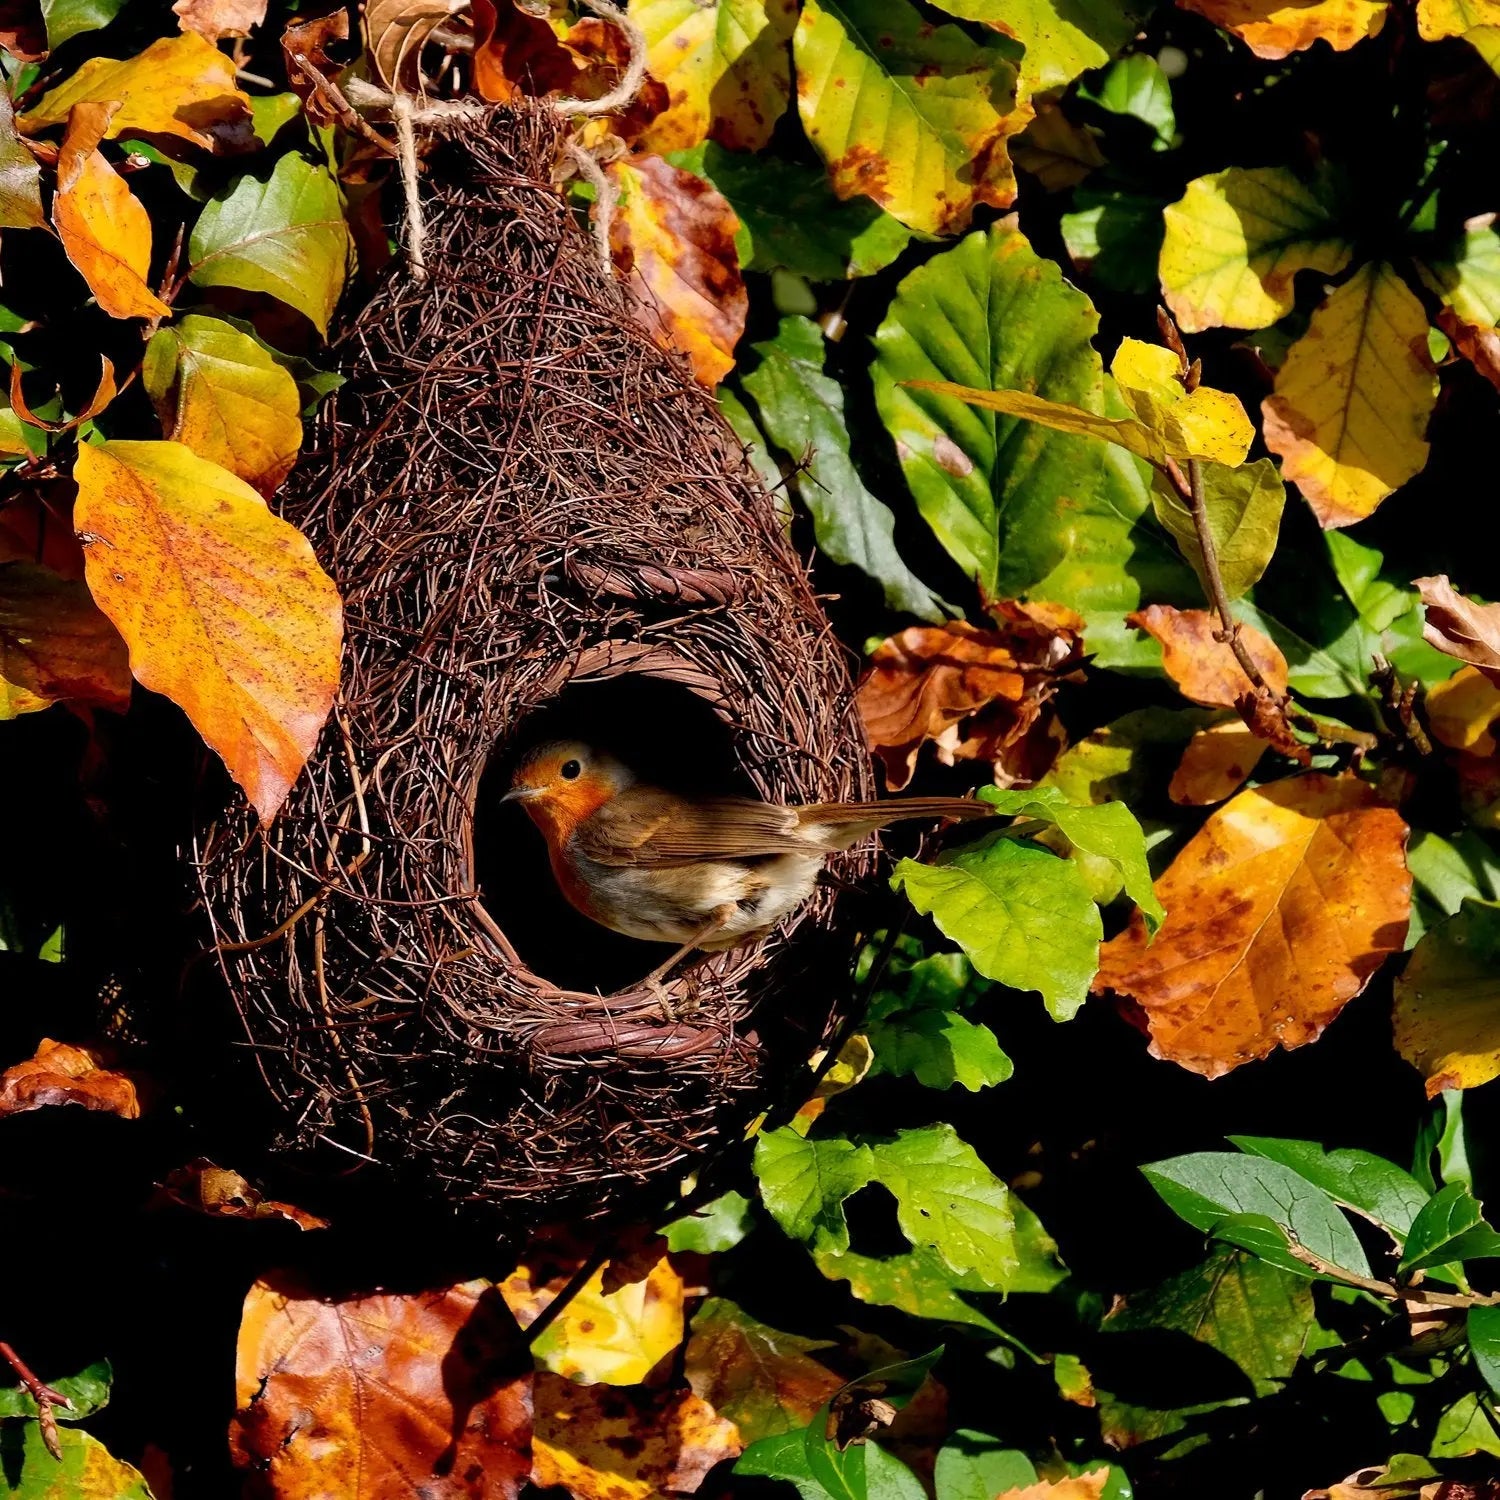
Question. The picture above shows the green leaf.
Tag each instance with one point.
(1360, 570)
(1207, 1187)
(802, 411)
(792, 219)
(717, 1226)
(1107, 831)
(20, 176)
(948, 1201)
(1370, 1185)
(1466, 275)
(1136, 86)
(804, 1183)
(271, 113)
(1022, 915)
(88, 1390)
(1466, 1427)
(1020, 508)
(285, 236)
(939, 1048)
(1114, 237)
(88, 1470)
(1448, 872)
(917, 1282)
(975, 1466)
(1483, 1328)
(1244, 509)
(69, 18)
(1451, 1227)
(746, 429)
(907, 113)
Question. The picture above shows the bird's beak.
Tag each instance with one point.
(520, 793)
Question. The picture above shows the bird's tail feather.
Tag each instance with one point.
(847, 822)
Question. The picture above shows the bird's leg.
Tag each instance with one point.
(653, 981)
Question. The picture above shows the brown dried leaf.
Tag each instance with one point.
(55, 644)
(1203, 668)
(214, 19)
(976, 694)
(310, 39)
(1459, 627)
(398, 30)
(673, 240)
(220, 1193)
(603, 1442)
(1217, 762)
(1058, 153)
(1480, 346)
(63, 1074)
(22, 31)
(1278, 911)
(382, 1396)
(518, 54)
(104, 393)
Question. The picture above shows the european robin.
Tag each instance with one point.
(704, 872)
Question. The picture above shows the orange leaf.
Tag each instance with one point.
(1203, 668)
(1273, 28)
(55, 645)
(1459, 627)
(213, 19)
(673, 239)
(1278, 911)
(1480, 346)
(517, 54)
(104, 230)
(1216, 764)
(1462, 711)
(1081, 1487)
(310, 39)
(603, 1442)
(976, 694)
(224, 606)
(104, 393)
(60, 1074)
(382, 1396)
(220, 1193)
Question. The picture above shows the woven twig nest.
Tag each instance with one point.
(536, 520)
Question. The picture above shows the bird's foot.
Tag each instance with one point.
(663, 998)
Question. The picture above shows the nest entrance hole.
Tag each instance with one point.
(672, 737)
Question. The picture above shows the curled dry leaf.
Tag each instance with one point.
(1459, 627)
(517, 53)
(64, 1074)
(673, 240)
(104, 393)
(103, 228)
(600, 1442)
(220, 1193)
(55, 645)
(381, 1396)
(1203, 667)
(975, 694)
(1217, 762)
(1273, 28)
(1279, 910)
(213, 19)
(398, 30)
(309, 39)
(1461, 712)
(1480, 346)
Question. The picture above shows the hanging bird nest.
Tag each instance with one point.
(538, 522)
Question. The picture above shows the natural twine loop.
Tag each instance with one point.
(407, 114)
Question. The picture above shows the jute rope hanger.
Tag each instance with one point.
(406, 113)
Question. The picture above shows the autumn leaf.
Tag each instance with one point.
(64, 1074)
(220, 1193)
(81, 1469)
(103, 228)
(308, 41)
(973, 693)
(1437, 19)
(1058, 153)
(1217, 762)
(1349, 414)
(1235, 241)
(1273, 28)
(726, 68)
(517, 53)
(1278, 911)
(1457, 626)
(215, 19)
(912, 115)
(55, 645)
(1203, 667)
(1089, 1486)
(603, 1442)
(1243, 508)
(673, 239)
(224, 606)
(1461, 712)
(20, 176)
(379, 1396)
(397, 32)
(180, 85)
(220, 392)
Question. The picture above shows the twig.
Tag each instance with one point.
(349, 117)
(1410, 1296)
(575, 1284)
(44, 1396)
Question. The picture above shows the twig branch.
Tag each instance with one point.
(1410, 1296)
(44, 1396)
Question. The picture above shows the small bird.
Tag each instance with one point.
(704, 872)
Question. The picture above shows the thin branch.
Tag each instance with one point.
(44, 1396)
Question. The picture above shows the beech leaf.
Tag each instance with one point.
(1216, 763)
(1459, 627)
(1243, 507)
(63, 1074)
(86, 1468)
(1273, 28)
(20, 175)
(224, 606)
(55, 645)
(1204, 668)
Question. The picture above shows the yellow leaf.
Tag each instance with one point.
(1350, 408)
(725, 66)
(1235, 240)
(1217, 762)
(180, 85)
(1437, 19)
(224, 606)
(673, 238)
(614, 1338)
(1058, 415)
(1273, 28)
(1205, 423)
(1461, 712)
(55, 644)
(217, 390)
(1448, 1001)
(103, 228)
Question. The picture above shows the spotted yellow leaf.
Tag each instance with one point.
(1448, 1001)
(1204, 423)
(1437, 19)
(1273, 28)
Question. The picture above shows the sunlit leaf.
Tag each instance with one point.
(1203, 667)
(1448, 1001)
(1278, 911)
(88, 1391)
(1349, 414)
(1450, 1227)
(1244, 508)
(66, 19)
(223, 604)
(1236, 239)
(1467, 276)
(804, 1183)
(87, 1470)
(285, 236)
(20, 176)
(215, 19)
(1273, 28)
(55, 644)
(64, 1074)
(1136, 87)
(1217, 762)
(221, 1193)
(1437, 19)
(1203, 423)
(912, 115)
(939, 1048)
(1461, 627)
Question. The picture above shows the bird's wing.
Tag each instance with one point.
(649, 829)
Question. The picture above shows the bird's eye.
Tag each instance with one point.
(571, 770)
